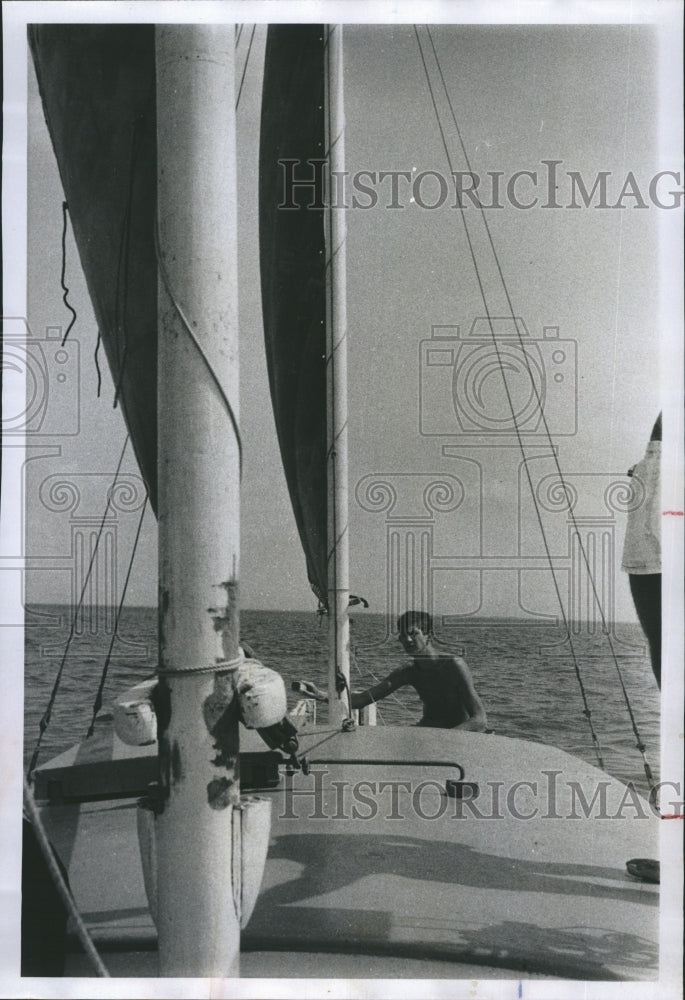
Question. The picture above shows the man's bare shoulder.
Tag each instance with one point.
(454, 661)
(458, 666)
(402, 674)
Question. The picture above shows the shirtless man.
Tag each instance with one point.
(443, 683)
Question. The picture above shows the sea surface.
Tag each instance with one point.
(523, 671)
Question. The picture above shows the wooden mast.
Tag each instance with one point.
(198, 850)
(336, 386)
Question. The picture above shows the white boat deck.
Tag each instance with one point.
(372, 861)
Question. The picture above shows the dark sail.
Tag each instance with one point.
(292, 257)
(97, 85)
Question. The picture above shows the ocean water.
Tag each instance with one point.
(523, 672)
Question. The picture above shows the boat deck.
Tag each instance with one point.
(382, 854)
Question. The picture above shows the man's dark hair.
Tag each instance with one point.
(415, 619)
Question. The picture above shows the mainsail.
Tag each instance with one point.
(292, 248)
(97, 85)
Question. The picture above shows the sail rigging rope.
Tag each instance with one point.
(60, 883)
(639, 742)
(586, 709)
(47, 715)
(330, 734)
(355, 662)
(97, 704)
(198, 347)
(96, 361)
(247, 59)
(640, 746)
(65, 297)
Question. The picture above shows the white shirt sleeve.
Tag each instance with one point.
(642, 546)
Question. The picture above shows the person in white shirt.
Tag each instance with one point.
(642, 548)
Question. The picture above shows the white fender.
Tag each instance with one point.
(261, 695)
(135, 722)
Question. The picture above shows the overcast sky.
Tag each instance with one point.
(585, 96)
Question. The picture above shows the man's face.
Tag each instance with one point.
(413, 640)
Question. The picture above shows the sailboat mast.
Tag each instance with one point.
(336, 387)
(199, 485)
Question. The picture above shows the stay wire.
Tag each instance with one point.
(179, 311)
(47, 715)
(198, 347)
(586, 709)
(333, 732)
(247, 59)
(355, 661)
(97, 704)
(59, 881)
(640, 745)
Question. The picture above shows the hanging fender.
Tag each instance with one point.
(261, 695)
(262, 705)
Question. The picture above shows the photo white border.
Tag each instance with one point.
(666, 16)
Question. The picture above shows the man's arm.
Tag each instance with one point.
(477, 720)
(360, 699)
(398, 678)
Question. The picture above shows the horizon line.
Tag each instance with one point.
(528, 619)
